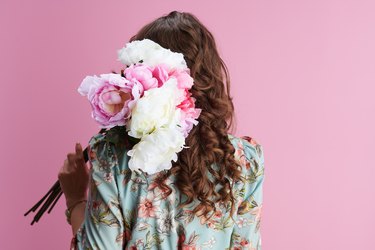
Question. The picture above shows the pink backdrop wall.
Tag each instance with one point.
(303, 80)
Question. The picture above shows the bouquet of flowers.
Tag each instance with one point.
(151, 100)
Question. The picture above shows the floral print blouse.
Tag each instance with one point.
(127, 210)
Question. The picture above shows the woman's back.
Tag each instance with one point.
(131, 210)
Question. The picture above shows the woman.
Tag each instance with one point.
(211, 197)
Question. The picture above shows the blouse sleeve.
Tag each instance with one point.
(103, 224)
(246, 231)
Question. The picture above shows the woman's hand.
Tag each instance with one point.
(74, 177)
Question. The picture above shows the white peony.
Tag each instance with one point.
(156, 109)
(156, 151)
(150, 53)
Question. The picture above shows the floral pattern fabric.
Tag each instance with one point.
(130, 209)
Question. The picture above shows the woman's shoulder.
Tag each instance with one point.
(249, 154)
(247, 144)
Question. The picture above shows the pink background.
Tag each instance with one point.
(303, 82)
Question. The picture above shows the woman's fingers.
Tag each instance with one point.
(79, 155)
(64, 170)
(80, 160)
(71, 161)
(74, 176)
(74, 161)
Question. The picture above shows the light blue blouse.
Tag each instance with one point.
(127, 210)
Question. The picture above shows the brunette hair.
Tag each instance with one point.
(208, 141)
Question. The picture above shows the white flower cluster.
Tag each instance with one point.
(156, 118)
(150, 53)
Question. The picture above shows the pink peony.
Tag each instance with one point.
(161, 72)
(143, 74)
(111, 97)
(156, 76)
(189, 113)
(184, 80)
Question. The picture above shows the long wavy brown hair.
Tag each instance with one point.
(208, 141)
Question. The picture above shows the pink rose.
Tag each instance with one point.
(111, 97)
